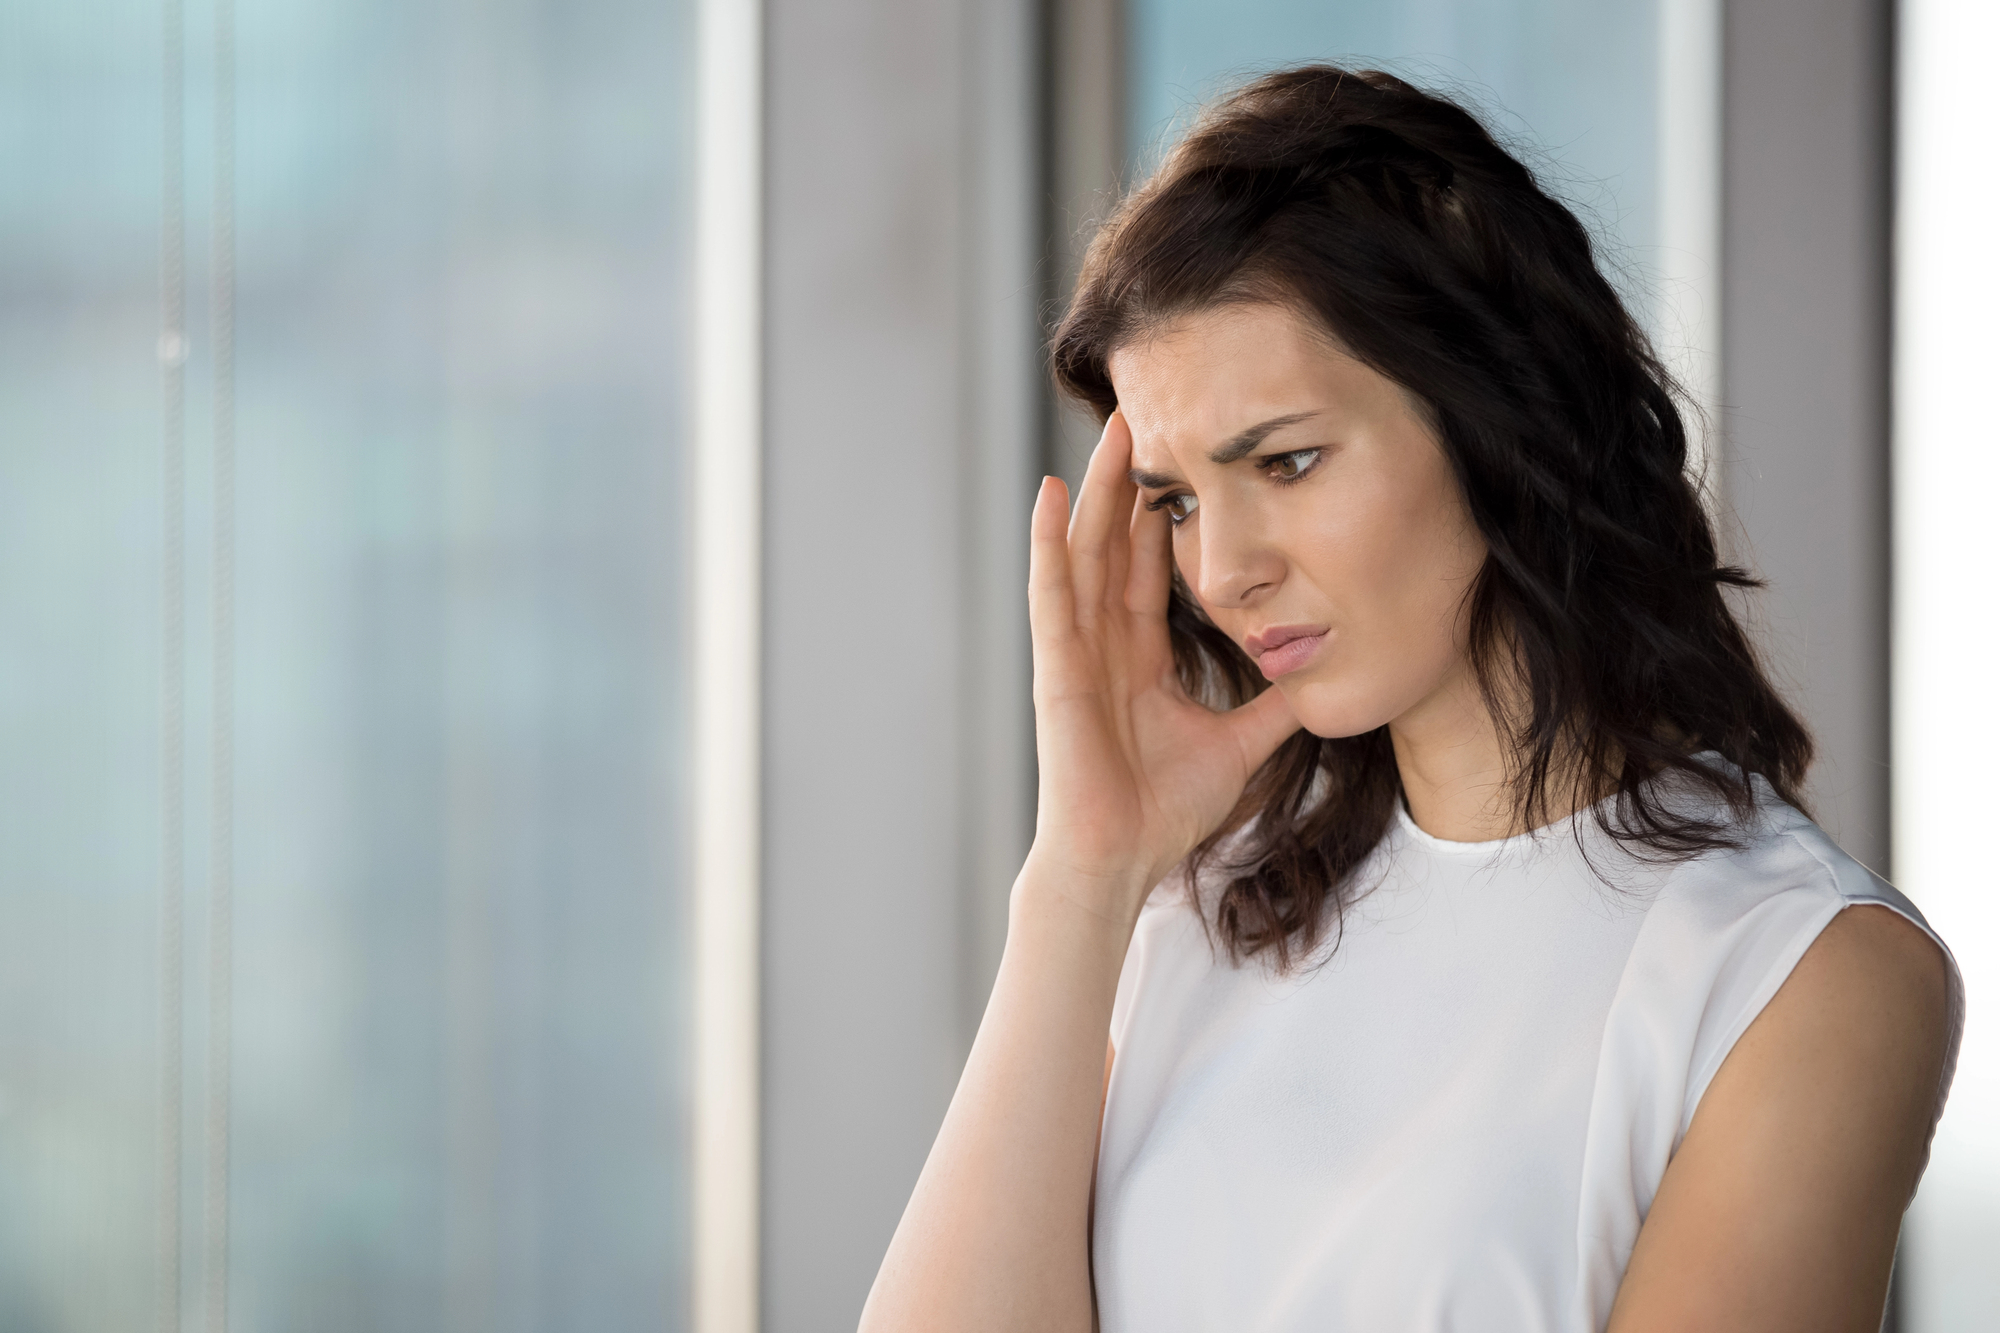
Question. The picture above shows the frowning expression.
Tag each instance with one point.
(1316, 518)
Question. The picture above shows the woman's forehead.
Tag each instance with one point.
(1200, 376)
(1192, 387)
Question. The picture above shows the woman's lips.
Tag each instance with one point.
(1285, 648)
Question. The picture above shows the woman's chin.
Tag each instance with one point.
(1334, 709)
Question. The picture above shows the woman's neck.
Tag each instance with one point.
(1455, 767)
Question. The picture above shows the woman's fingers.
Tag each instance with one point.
(1149, 580)
(1118, 536)
(1051, 601)
(1094, 530)
(1261, 726)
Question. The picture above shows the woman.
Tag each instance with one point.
(1481, 972)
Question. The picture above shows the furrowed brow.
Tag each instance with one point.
(1152, 481)
(1243, 442)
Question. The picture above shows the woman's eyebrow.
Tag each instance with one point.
(1243, 442)
(1239, 446)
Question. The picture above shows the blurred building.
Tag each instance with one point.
(513, 682)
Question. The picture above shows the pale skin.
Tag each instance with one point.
(1304, 496)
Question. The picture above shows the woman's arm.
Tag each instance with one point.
(996, 1234)
(1781, 1209)
(1133, 775)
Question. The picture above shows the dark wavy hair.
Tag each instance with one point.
(1393, 221)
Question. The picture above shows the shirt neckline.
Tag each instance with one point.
(1448, 847)
(1559, 827)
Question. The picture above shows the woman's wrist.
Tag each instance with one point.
(1087, 898)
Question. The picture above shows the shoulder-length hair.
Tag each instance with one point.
(1395, 223)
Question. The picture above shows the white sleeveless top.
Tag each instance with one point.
(1457, 1118)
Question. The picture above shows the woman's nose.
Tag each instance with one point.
(1239, 567)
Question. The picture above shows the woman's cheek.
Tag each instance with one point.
(1338, 566)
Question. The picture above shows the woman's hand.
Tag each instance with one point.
(1134, 773)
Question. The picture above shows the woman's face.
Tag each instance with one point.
(1315, 517)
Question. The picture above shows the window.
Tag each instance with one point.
(1615, 105)
(343, 425)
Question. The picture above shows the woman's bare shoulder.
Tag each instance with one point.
(1874, 949)
(1782, 1206)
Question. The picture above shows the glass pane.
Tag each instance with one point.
(1573, 83)
(80, 671)
(450, 959)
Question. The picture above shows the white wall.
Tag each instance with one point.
(1946, 714)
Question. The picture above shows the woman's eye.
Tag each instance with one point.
(1178, 506)
(1292, 466)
